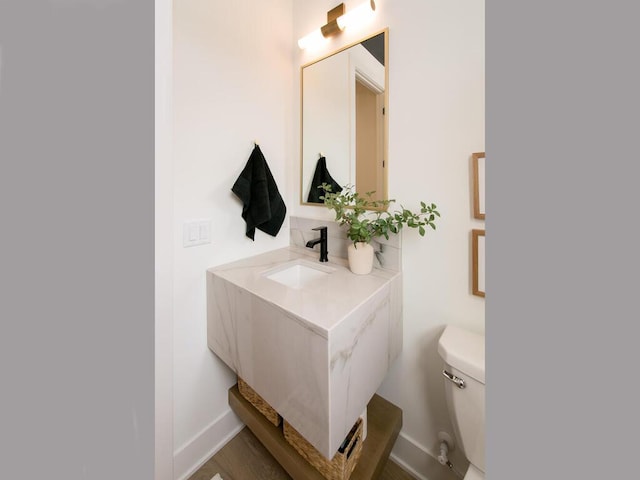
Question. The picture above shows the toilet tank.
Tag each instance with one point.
(463, 355)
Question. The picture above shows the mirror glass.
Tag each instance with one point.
(344, 123)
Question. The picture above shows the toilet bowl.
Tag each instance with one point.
(463, 355)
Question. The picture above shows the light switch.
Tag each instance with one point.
(193, 233)
(203, 231)
(196, 232)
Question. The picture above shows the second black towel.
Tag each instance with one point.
(320, 176)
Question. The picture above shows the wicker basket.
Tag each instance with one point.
(257, 401)
(343, 462)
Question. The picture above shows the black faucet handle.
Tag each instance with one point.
(322, 230)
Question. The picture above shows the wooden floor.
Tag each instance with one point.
(245, 458)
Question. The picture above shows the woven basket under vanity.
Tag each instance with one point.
(257, 401)
(343, 462)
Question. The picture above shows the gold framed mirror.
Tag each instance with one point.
(344, 120)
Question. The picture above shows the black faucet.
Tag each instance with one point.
(322, 241)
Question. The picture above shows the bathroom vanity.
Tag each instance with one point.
(314, 340)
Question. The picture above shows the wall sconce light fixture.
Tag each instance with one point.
(337, 21)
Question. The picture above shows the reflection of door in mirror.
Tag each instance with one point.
(369, 141)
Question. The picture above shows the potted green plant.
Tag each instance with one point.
(368, 218)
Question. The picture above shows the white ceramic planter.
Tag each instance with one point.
(360, 258)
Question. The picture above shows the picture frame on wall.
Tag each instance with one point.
(478, 262)
(478, 185)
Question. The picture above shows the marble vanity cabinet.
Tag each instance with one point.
(315, 350)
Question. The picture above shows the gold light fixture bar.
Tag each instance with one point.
(337, 20)
(332, 27)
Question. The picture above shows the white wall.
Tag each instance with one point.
(436, 121)
(232, 84)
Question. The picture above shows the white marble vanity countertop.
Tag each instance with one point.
(321, 305)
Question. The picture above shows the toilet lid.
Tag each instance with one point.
(474, 473)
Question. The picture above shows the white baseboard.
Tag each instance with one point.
(419, 462)
(195, 453)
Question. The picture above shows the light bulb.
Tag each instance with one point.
(357, 15)
(312, 39)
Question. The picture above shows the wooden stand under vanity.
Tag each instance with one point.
(384, 421)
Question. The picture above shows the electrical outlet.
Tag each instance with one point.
(196, 232)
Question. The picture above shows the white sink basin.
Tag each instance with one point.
(299, 275)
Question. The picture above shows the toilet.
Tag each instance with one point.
(463, 355)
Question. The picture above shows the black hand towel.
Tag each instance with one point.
(320, 176)
(263, 207)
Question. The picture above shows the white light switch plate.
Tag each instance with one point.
(196, 232)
